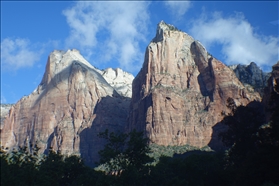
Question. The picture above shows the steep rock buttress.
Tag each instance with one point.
(181, 91)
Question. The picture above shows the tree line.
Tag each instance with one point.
(251, 158)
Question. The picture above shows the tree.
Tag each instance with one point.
(24, 166)
(126, 155)
(243, 124)
(58, 169)
(268, 142)
(20, 166)
(253, 144)
(191, 168)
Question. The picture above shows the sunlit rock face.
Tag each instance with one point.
(72, 104)
(181, 91)
(120, 80)
(4, 109)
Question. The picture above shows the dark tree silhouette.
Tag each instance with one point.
(253, 153)
(126, 155)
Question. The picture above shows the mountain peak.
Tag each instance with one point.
(181, 91)
(164, 26)
(161, 28)
(71, 55)
(72, 97)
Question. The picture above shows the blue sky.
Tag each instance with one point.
(115, 34)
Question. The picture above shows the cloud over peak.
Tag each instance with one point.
(178, 8)
(121, 26)
(240, 43)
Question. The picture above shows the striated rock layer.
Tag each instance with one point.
(72, 104)
(181, 91)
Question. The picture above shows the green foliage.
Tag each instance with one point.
(198, 168)
(254, 145)
(112, 154)
(65, 170)
(126, 154)
(124, 150)
(20, 164)
(243, 124)
(27, 167)
(158, 151)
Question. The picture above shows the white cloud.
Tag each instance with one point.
(240, 43)
(17, 54)
(109, 30)
(178, 8)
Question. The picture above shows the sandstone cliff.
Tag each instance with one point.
(4, 108)
(177, 98)
(181, 90)
(72, 104)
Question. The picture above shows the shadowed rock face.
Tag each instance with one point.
(181, 90)
(275, 75)
(272, 88)
(273, 81)
(252, 76)
(72, 104)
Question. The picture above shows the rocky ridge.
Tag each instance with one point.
(177, 98)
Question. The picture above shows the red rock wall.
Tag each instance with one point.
(181, 90)
(69, 108)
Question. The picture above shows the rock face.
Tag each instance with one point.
(252, 76)
(274, 80)
(181, 90)
(120, 80)
(273, 87)
(72, 104)
(4, 112)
